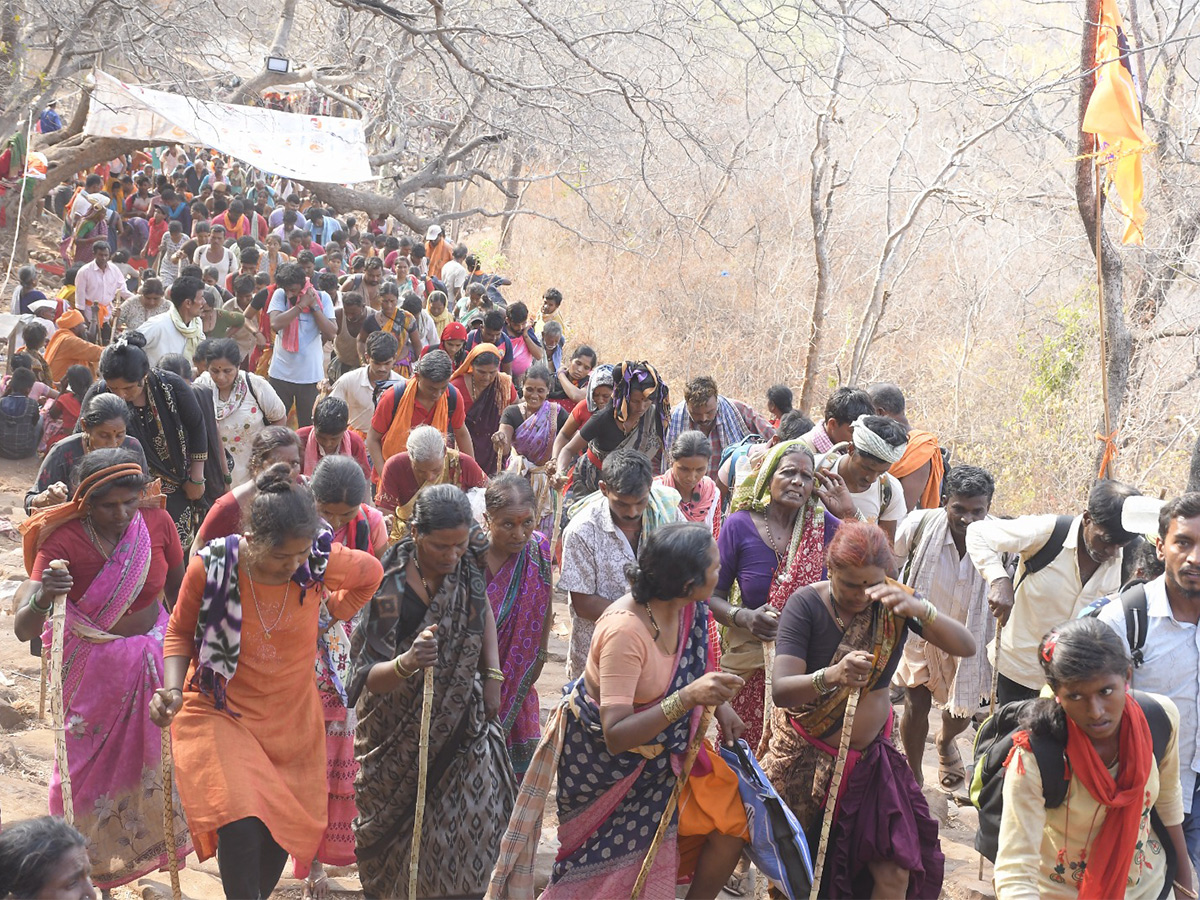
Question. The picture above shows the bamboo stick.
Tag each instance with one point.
(835, 785)
(422, 776)
(168, 766)
(57, 710)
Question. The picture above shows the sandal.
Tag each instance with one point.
(316, 888)
(952, 773)
(736, 885)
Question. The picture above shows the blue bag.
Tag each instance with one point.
(777, 845)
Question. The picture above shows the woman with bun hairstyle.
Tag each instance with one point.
(273, 444)
(431, 611)
(619, 735)
(838, 636)
(239, 692)
(166, 419)
(1122, 812)
(124, 566)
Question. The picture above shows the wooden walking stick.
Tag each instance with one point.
(422, 775)
(42, 687)
(168, 768)
(768, 667)
(664, 823)
(57, 711)
(835, 785)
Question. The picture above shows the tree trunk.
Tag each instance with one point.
(511, 199)
(1114, 369)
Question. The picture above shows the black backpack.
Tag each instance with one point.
(1137, 619)
(1048, 551)
(994, 742)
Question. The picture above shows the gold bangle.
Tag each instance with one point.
(931, 613)
(1182, 890)
(493, 675)
(818, 680)
(672, 707)
(400, 671)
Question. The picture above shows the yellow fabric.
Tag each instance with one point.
(1114, 115)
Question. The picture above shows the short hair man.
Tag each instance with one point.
(843, 408)
(1171, 650)
(600, 539)
(492, 332)
(933, 545)
(875, 445)
(433, 399)
(723, 420)
(454, 273)
(921, 469)
(178, 330)
(361, 387)
(1087, 566)
(302, 319)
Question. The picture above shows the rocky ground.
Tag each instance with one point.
(27, 746)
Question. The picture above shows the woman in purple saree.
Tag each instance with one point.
(518, 589)
(125, 563)
(528, 429)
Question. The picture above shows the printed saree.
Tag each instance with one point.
(608, 806)
(470, 781)
(113, 749)
(881, 813)
(645, 438)
(532, 443)
(520, 595)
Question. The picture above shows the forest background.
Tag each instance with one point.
(815, 193)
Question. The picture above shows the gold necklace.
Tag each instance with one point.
(657, 632)
(258, 609)
(421, 575)
(834, 607)
(95, 539)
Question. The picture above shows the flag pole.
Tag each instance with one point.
(1108, 464)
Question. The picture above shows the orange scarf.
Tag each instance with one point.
(396, 439)
(1111, 853)
(923, 448)
(38, 527)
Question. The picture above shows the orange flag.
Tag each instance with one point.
(1114, 115)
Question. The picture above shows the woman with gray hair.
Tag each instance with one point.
(427, 460)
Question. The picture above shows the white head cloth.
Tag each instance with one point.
(867, 441)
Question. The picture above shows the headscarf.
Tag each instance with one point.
(468, 364)
(454, 331)
(754, 494)
(601, 376)
(38, 527)
(639, 375)
(72, 318)
(868, 442)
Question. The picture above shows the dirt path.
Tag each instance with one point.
(27, 746)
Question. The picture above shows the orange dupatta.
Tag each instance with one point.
(923, 448)
(37, 528)
(396, 439)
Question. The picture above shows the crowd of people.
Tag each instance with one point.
(301, 468)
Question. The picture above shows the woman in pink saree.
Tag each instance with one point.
(125, 564)
(518, 589)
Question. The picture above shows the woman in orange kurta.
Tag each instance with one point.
(247, 720)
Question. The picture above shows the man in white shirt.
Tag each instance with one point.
(933, 545)
(179, 330)
(1170, 652)
(875, 446)
(216, 254)
(361, 387)
(1085, 567)
(454, 274)
(99, 284)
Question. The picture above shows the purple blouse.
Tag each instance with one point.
(746, 557)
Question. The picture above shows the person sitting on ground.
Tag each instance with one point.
(921, 469)
(876, 444)
(845, 406)
(47, 858)
(62, 414)
(19, 416)
(68, 346)
(426, 460)
(722, 420)
(26, 292)
(1085, 565)
(837, 637)
(1114, 833)
(330, 435)
(779, 402)
(361, 388)
(180, 329)
(933, 544)
(34, 335)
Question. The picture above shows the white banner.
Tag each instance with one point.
(307, 148)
